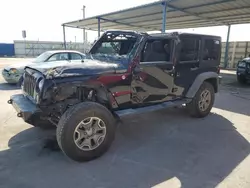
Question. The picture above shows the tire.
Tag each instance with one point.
(36, 121)
(241, 79)
(194, 107)
(73, 119)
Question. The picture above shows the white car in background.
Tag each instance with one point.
(13, 73)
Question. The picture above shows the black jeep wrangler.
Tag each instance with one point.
(124, 72)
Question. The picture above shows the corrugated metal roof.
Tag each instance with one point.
(180, 14)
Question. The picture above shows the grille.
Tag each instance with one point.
(29, 84)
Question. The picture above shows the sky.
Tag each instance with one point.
(42, 19)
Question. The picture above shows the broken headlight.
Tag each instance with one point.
(13, 71)
(40, 84)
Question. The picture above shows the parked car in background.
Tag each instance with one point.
(13, 73)
(243, 70)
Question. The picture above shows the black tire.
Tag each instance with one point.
(193, 106)
(241, 79)
(37, 121)
(69, 122)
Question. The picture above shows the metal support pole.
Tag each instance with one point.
(99, 27)
(25, 46)
(164, 16)
(84, 39)
(64, 38)
(227, 47)
(246, 50)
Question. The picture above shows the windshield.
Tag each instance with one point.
(115, 44)
(43, 57)
(244, 64)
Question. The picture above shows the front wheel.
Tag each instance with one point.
(202, 103)
(86, 131)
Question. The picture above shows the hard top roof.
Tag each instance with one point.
(162, 34)
(183, 34)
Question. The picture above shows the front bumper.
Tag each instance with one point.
(25, 108)
(245, 75)
(11, 78)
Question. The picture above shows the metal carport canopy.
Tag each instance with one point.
(170, 14)
(180, 14)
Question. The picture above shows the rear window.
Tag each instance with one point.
(211, 49)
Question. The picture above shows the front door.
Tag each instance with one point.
(153, 77)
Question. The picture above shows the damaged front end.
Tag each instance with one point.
(49, 94)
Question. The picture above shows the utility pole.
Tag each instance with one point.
(84, 39)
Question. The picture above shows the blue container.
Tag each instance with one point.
(7, 50)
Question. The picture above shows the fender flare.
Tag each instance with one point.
(198, 82)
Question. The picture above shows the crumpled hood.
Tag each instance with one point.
(75, 68)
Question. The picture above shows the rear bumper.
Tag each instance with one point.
(24, 107)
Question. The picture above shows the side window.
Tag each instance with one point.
(156, 50)
(211, 49)
(75, 56)
(59, 57)
(53, 57)
(189, 49)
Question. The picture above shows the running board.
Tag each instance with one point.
(151, 108)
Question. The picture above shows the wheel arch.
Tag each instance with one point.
(210, 77)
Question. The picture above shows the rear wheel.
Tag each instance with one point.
(86, 131)
(202, 103)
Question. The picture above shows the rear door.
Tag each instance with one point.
(211, 52)
(61, 56)
(75, 56)
(188, 65)
(152, 79)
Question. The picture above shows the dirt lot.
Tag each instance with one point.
(161, 149)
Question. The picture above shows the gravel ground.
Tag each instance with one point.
(166, 148)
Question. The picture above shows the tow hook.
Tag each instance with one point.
(19, 115)
(10, 101)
